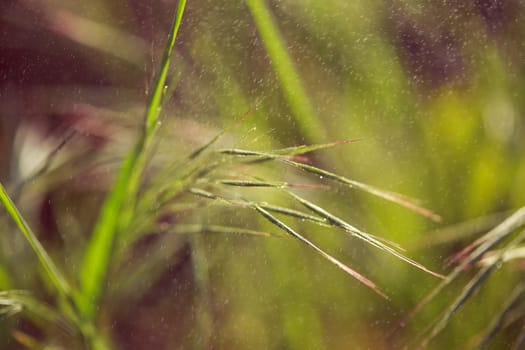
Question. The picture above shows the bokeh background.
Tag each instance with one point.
(436, 89)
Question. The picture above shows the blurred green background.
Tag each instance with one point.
(435, 89)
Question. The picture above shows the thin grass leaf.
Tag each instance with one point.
(15, 301)
(325, 255)
(271, 184)
(496, 235)
(303, 149)
(289, 151)
(296, 214)
(393, 197)
(518, 219)
(273, 208)
(307, 120)
(55, 276)
(460, 231)
(173, 82)
(336, 221)
(516, 253)
(247, 153)
(46, 164)
(216, 229)
(513, 300)
(117, 210)
(469, 290)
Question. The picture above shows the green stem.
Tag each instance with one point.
(295, 94)
(118, 209)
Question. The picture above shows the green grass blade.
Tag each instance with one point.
(55, 276)
(321, 252)
(268, 184)
(117, 210)
(288, 151)
(500, 232)
(466, 293)
(217, 229)
(153, 112)
(14, 301)
(512, 301)
(360, 234)
(293, 89)
(296, 214)
(98, 255)
(469, 290)
(495, 235)
(45, 165)
(303, 149)
(396, 198)
(273, 208)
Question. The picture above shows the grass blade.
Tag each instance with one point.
(360, 234)
(298, 150)
(15, 301)
(393, 197)
(264, 209)
(309, 123)
(289, 151)
(325, 255)
(273, 208)
(216, 229)
(270, 184)
(117, 211)
(496, 235)
(515, 297)
(55, 276)
(45, 165)
(397, 198)
(470, 289)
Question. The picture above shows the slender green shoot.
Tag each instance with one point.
(55, 276)
(294, 92)
(360, 234)
(498, 322)
(15, 301)
(193, 229)
(474, 284)
(393, 197)
(469, 290)
(117, 211)
(268, 184)
(496, 235)
(321, 252)
(264, 209)
(248, 204)
(288, 151)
